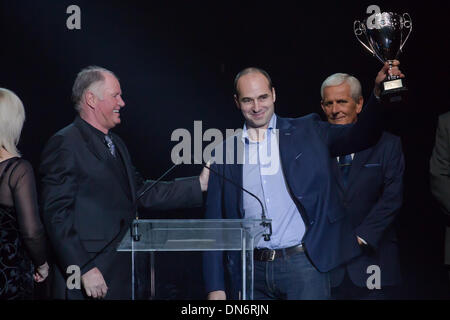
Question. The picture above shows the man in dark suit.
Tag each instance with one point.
(440, 175)
(310, 233)
(370, 188)
(89, 189)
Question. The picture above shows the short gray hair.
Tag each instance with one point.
(90, 78)
(338, 79)
(12, 117)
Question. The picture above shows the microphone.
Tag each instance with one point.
(264, 222)
(135, 232)
(134, 229)
(154, 183)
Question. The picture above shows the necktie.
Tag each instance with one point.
(345, 164)
(110, 145)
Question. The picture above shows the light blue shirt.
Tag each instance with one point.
(263, 176)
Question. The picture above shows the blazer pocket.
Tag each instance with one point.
(372, 165)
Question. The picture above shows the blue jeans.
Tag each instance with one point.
(290, 278)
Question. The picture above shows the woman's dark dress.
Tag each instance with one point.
(22, 239)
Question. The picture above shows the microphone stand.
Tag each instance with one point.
(134, 230)
(137, 237)
(264, 223)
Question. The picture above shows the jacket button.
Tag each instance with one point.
(311, 223)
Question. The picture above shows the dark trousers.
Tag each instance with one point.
(290, 278)
(347, 290)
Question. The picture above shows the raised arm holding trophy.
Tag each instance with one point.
(384, 34)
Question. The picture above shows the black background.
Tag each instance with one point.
(176, 62)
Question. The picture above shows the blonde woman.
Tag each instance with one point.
(22, 239)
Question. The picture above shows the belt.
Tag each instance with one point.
(271, 254)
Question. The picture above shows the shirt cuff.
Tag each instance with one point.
(375, 95)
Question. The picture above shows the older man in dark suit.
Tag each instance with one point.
(371, 190)
(89, 190)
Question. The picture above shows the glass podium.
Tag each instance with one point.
(196, 235)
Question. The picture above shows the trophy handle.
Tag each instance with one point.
(407, 23)
(360, 29)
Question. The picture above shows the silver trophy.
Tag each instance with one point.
(384, 35)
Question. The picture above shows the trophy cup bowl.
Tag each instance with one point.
(384, 35)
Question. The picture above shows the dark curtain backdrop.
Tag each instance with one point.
(176, 62)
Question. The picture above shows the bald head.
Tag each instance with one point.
(251, 70)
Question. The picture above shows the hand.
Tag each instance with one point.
(359, 241)
(382, 75)
(217, 295)
(94, 284)
(41, 273)
(204, 177)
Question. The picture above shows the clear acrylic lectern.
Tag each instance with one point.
(196, 235)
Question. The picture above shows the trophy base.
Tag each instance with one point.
(393, 91)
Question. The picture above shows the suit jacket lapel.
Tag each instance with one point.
(97, 150)
(102, 153)
(129, 170)
(289, 152)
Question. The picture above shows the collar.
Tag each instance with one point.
(272, 125)
(92, 129)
